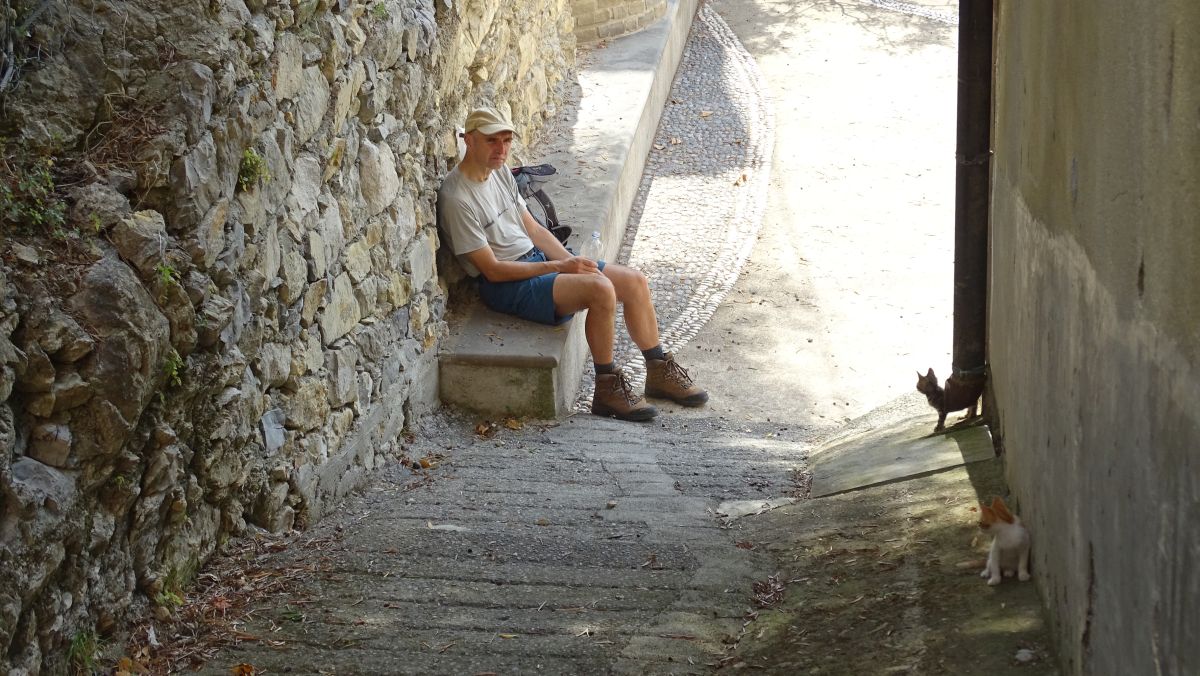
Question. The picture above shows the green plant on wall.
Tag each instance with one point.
(168, 598)
(28, 197)
(84, 652)
(379, 11)
(172, 594)
(252, 169)
(173, 367)
(167, 274)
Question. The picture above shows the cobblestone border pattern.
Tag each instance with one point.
(702, 197)
(949, 18)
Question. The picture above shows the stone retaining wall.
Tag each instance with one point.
(241, 312)
(602, 19)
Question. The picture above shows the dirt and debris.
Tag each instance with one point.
(886, 580)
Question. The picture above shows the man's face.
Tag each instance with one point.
(490, 150)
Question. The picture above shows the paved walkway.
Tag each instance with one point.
(586, 547)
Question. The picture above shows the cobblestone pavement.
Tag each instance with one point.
(701, 199)
(928, 11)
(589, 546)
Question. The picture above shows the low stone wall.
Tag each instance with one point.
(602, 19)
(240, 309)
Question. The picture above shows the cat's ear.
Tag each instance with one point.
(986, 516)
(1001, 510)
(930, 374)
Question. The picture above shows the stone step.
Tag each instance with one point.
(497, 365)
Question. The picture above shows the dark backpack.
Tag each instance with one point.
(529, 183)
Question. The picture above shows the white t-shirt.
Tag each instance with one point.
(474, 215)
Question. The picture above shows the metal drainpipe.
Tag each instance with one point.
(972, 186)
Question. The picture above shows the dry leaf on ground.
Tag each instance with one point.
(769, 592)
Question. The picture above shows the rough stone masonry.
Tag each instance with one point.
(242, 307)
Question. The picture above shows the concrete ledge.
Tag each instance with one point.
(498, 365)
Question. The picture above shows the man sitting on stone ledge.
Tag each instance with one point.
(524, 271)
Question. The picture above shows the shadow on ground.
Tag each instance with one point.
(886, 581)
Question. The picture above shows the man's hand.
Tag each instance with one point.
(577, 265)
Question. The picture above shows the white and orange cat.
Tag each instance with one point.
(1010, 543)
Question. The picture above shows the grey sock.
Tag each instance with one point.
(655, 352)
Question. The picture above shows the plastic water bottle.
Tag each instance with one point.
(592, 248)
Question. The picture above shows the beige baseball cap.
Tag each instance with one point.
(488, 121)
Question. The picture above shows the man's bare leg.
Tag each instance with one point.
(633, 291)
(664, 377)
(594, 293)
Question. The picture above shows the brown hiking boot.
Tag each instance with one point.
(666, 379)
(614, 397)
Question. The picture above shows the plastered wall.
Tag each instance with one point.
(1094, 319)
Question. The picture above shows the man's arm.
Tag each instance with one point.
(495, 270)
(544, 239)
(561, 260)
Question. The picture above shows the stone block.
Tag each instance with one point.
(70, 391)
(141, 239)
(36, 374)
(62, 338)
(40, 404)
(114, 303)
(307, 408)
(342, 312)
(379, 182)
(273, 364)
(314, 298)
(420, 261)
(195, 183)
(346, 96)
(311, 104)
(295, 277)
(587, 34)
(343, 375)
(306, 187)
(214, 315)
(210, 235)
(356, 259)
(37, 486)
(288, 77)
(318, 261)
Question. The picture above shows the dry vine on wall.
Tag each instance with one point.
(18, 20)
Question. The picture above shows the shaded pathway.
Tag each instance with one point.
(590, 546)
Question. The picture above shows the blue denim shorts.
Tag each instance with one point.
(531, 299)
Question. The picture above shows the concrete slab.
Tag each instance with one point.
(895, 452)
(501, 365)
